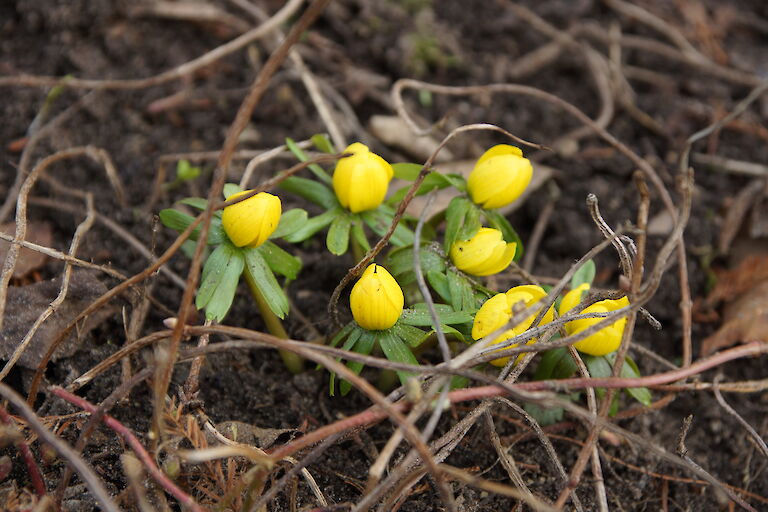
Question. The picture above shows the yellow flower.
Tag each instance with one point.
(607, 339)
(376, 299)
(496, 312)
(500, 176)
(250, 222)
(484, 254)
(361, 180)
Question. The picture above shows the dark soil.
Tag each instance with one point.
(360, 47)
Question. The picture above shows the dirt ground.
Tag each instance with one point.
(664, 70)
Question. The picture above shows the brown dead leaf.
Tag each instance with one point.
(25, 303)
(39, 233)
(745, 319)
(734, 283)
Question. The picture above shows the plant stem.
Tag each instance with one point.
(357, 250)
(293, 362)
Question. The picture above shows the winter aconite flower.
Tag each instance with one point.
(496, 312)
(376, 299)
(484, 254)
(252, 221)
(607, 339)
(361, 180)
(499, 177)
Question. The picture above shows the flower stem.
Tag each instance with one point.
(357, 250)
(293, 362)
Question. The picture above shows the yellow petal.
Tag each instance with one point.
(376, 299)
(499, 178)
(493, 314)
(572, 298)
(360, 181)
(251, 222)
(607, 339)
(500, 149)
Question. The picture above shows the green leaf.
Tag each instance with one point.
(342, 334)
(555, 364)
(413, 336)
(497, 221)
(316, 169)
(337, 240)
(179, 221)
(462, 297)
(421, 317)
(313, 225)
(323, 143)
(195, 202)
(396, 350)
(630, 370)
(599, 367)
(471, 224)
(359, 234)
(363, 346)
(433, 180)
(584, 274)
(400, 260)
(185, 171)
(406, 171)
(231, 189)
(290, 222)
(354, 335)
(311, 191)
(263, 279)
(544, 416)
(448, 331)
(379, 223)
(454, 219)
(439, 282)
(219, 282)
(279, 260)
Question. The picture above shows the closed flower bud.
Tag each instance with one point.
(376, 299)
(496, 312)
(484, 254)
(607, 339)
(500, 176)
(361, 180)
(251, 222)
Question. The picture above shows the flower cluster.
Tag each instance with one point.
(477, 241)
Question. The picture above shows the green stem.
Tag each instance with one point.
(357, 250)
(293, 362)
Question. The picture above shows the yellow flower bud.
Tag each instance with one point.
(376, 299)
(607, 339)
(361, 180)
(500, 176)
(251, 222)
(484, 254)
(497, 312)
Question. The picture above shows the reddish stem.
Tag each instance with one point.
(184, 498)
(29, 459)
(373, 415)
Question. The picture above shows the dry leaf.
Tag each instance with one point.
(745, 320)
(25, 303)
(39, 233)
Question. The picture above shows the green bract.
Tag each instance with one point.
(346, 225)
(227, 262)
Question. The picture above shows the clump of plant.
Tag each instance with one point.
(240, 243)
(459, 247)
